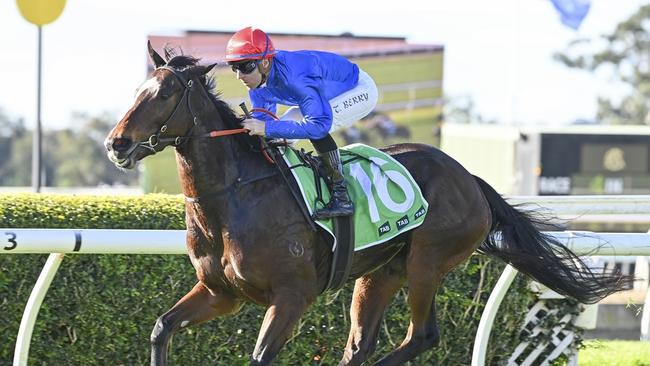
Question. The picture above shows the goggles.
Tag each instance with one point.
(245, 67)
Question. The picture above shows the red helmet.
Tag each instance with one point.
(249, 44)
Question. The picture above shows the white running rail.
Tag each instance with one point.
(57, 242)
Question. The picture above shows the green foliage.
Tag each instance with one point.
(14, 142)
(16, 165)
(77, 156)
(113, 212)
(71, 157)
(624, 53)
(10, 127)
(101, 308)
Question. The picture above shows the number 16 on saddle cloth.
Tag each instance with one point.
(387, 201)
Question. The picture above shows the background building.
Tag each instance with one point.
(408, 77)
(569, 160)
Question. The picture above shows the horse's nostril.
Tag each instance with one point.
(121, 144)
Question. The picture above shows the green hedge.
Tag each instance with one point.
(100, 309)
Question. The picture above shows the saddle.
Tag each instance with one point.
(343, 227)
(387, 200)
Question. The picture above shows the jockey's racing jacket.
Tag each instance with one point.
(309, 80)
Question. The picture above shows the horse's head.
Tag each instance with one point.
(161, 114)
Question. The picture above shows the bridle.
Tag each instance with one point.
(155, 139)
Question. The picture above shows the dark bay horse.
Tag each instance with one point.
(249, 242)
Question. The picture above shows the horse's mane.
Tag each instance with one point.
(230, 118)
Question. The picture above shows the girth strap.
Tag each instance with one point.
(343, 253)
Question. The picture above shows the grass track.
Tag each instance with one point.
(614, 353)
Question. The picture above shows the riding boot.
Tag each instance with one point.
(340, 203)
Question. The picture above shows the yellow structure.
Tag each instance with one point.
(41, 12)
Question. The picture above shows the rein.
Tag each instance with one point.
(188, 85)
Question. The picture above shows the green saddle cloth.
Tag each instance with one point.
(387, 201)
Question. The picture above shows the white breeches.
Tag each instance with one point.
(348, 107)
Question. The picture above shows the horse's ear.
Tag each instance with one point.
(155, 57)
(202, 70)
(210, 67)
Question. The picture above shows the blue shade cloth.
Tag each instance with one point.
(572, 12)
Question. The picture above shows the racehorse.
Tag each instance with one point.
(249, 242)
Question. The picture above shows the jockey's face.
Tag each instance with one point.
(256, 77)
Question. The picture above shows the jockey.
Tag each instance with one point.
(325, 92)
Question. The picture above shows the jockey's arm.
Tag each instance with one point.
(317, 119)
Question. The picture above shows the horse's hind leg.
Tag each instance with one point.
(197, 306)
(372, 293)
(426, 265)
(423, 329)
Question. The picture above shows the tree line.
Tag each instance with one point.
(624, 54)
(71, 157)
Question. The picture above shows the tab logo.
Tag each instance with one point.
(383, 229)
(402, 222)
(419, 213)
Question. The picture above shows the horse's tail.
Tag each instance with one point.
(542, 257)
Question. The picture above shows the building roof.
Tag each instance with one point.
(210, 46)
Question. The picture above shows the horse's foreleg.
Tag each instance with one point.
(372, 294)
(197, 306)
(286, 309)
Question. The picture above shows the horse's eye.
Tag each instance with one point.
(164, 95)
